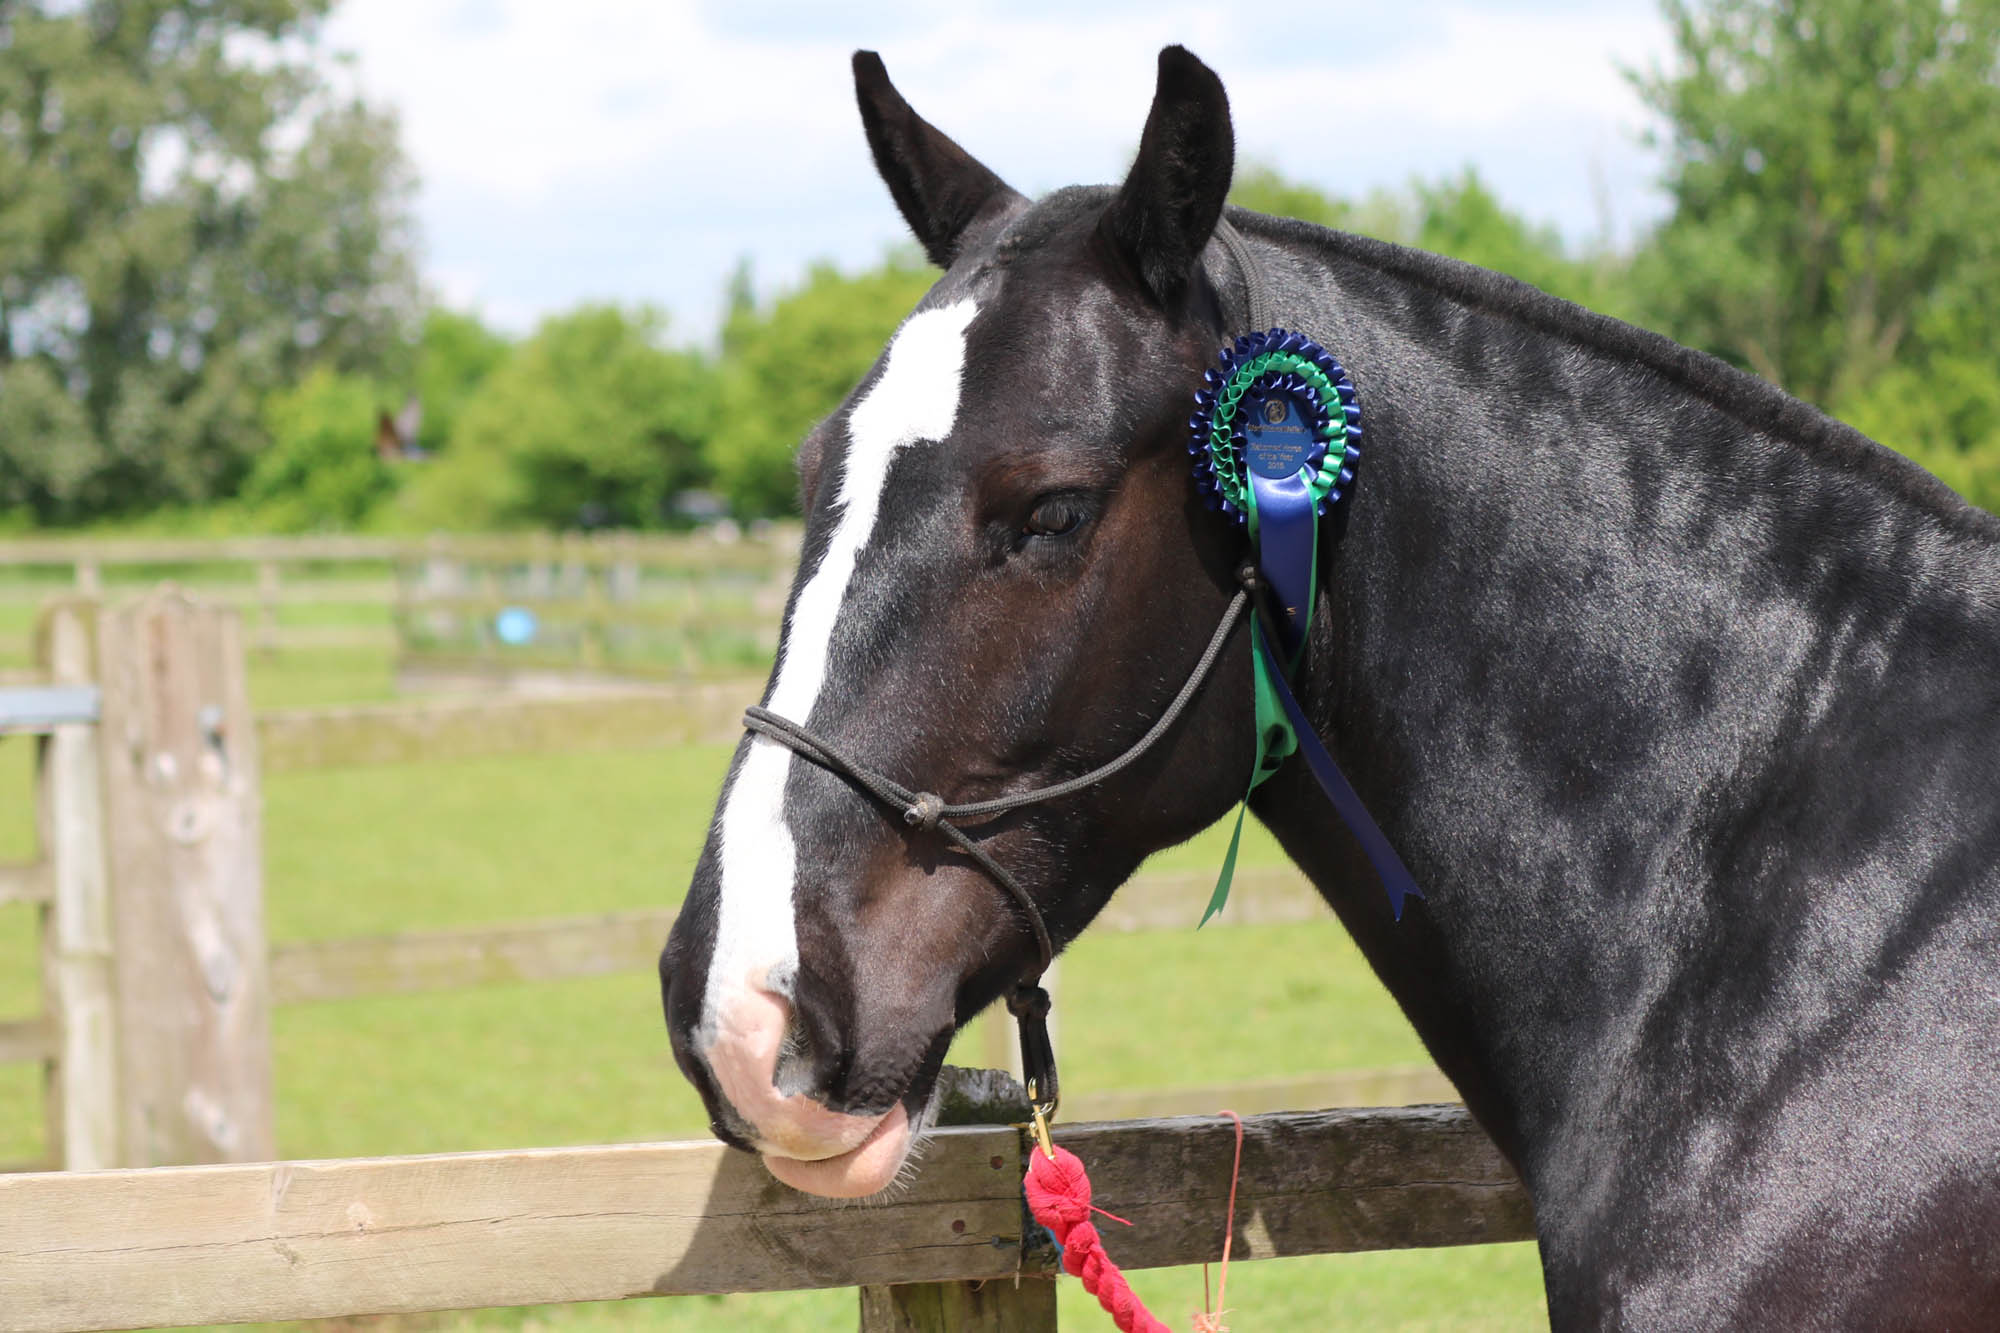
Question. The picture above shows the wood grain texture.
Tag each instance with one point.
(82, 1108)
(1316, 1182)
(121, 1249)
(184, 833)
(1005, 1305)
(134, 1249)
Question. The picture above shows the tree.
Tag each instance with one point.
(1462, 218)
(321, 470)
(787, 366)
(591, 422)
(1456, 216)
(455, 354)
(188, 220)
(1835, 172)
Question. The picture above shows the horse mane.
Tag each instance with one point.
(1753, 402)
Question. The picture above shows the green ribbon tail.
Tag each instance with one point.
(1222, 881)
(1275, 741)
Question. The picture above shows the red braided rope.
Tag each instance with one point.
(1058, 1191)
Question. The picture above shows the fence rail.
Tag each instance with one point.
(310, 738)
(298, 1240)
(599, 590)
(588, 549)
(553, 950)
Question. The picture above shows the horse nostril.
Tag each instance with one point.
(795, 1071)
(752, 1028)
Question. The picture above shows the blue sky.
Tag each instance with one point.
(634, 150)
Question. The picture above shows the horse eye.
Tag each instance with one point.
(1056, 515)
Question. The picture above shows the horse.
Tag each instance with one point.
(1678, 698)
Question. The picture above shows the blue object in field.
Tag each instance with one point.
(516, 625)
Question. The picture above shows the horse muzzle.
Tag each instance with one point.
(802, 1141)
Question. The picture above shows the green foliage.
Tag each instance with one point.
(1947, 418)
(1457, 216)
(1835, 170)
(162, 259)
(1264, 189)
(455, 354)
(321, 470)
(48, 452)
(1462, 218)
(590, 422)
(786, 367)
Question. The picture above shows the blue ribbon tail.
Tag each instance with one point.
(1389, 867)
(1287, 552)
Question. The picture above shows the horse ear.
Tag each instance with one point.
(1169, 204)
(940, 188)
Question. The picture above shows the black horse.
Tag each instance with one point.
(1680, 700)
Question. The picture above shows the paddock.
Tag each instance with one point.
(158, 1059)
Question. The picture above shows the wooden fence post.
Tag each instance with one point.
(77, 930)
(184, 824)
(1024, 1303)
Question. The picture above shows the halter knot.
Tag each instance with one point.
(925, 811)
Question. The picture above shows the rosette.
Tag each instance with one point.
(1277, 406)
(1274, 439)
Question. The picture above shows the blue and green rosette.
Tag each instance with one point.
(1274, 440)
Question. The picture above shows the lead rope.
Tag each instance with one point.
(1058, 1190)
(1057, 1186)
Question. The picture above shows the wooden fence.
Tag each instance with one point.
(480, 610)
(148, 825)
(160, 1054)
(950, 1251)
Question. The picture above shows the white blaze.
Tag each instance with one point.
(916, 398)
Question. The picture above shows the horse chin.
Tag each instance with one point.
(868, 1168)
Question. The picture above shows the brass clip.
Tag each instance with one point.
(1047, 1144)
(1043, 1111)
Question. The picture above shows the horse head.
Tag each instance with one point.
(1007, 575)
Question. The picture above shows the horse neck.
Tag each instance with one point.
(1603, 615)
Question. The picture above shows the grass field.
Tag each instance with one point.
(484, 841)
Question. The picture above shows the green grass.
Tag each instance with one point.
(473, 842)
(20, 972)
(17, 636)
(362, 673)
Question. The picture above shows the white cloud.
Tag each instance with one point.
(633, 150)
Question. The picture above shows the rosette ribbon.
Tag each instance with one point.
(1275, 437)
